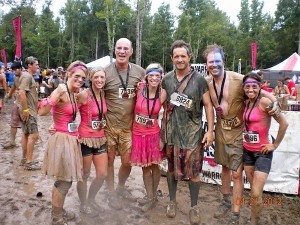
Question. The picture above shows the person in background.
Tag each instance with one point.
(15, 121)
(27, 102)
(63, 157)
(258, 151)
(292, 88)
(266, 86)
(92, 107)
(3, 87)
(46, 82)
(186, 92)
(121, 80)
(281, 89)
(146, 150)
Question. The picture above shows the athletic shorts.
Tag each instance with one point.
(2, 93)
(261, 162)
(230, 155)
(15, 117)
(30, 126)
(118, 139)
(87, 151)
(184, 167)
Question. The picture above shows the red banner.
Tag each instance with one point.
(3, 56)
(253, 54)
(17, 28)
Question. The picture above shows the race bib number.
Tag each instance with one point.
(144, 120)
(251, 137)
(181, 100)
(72, 127)
(130, 93)
(98, 124)
(230, 123)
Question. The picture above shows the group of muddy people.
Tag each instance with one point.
(119, 113)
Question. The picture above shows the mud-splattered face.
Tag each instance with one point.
(215, 63)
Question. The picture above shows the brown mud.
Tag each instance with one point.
(21, 206)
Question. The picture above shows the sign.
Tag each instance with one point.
(201, 68)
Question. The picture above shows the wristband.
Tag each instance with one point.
(26, 110)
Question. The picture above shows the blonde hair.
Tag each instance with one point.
(77, 65)
(92, 71)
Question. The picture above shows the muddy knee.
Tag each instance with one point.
(62, 186)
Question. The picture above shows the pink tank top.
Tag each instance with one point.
(62, 115)
(259, 121)
(141, 110)
(89, 112)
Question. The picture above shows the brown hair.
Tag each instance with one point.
(181, 44)
(213, 48)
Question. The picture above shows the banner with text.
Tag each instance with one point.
(253, 54)
(17, 28)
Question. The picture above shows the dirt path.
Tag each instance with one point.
(20, 206)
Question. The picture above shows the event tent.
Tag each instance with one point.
(292, 63)
(103, 62)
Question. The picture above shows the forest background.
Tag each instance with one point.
(87, 30)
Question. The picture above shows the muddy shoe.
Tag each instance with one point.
(150, 204)
(234, 219)
(59, 221)
(114, 202)
(194, 215)
(223, 209)
(88, 211)
(171, 210)
(125, 194)
(23, 162)
(9, 145)
(68, 216)
(143, 201)
(95, 206)
(32, 166)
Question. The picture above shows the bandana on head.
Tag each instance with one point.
(251, 82)
(77, 67)
(154, 70)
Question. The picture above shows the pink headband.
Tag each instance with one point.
(77, 67)
(251, 82)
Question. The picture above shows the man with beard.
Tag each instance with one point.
(226, 91)
(27, 101)
(121, 80)
(186, 93)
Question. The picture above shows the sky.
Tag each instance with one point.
(230, 7)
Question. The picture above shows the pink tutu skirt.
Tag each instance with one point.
(145, 150)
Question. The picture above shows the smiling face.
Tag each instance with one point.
(251, 88)
(181, 59)
(123, 51)
(76, 78)
(215, 63)
(98, 80)
(153, 79)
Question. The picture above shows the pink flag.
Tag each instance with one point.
(17, 28)
(253, 54)
(3, 56)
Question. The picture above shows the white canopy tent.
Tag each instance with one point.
(102, 62)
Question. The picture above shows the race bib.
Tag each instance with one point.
(251, 137)
(181, 100)
(230, 123)
(144, 120)
(98, 124)
(72, 126)
(130, 93)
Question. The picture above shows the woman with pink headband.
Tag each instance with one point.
(63, 159)
(258, 151)
(146, 150)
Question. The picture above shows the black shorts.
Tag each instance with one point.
(2, 93)
(87, 151)
(261, 162)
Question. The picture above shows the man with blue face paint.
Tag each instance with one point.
(226, 91)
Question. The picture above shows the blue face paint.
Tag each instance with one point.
(218, 62)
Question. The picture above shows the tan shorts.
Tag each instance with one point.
(30, 126)
(230, 155)
(118, 139)
(15, 117)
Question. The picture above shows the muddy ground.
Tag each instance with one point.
(21, 206)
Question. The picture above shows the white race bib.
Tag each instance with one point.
(144, 120)
(98, 124)
(181, 100)
(251, 137)
(72, 127)
(130, 92)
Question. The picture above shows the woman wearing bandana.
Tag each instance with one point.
(63, 159)
(146, 133)
(258, 151)
(92, 107)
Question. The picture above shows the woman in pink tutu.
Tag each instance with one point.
(146, 150)
(63, 159)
